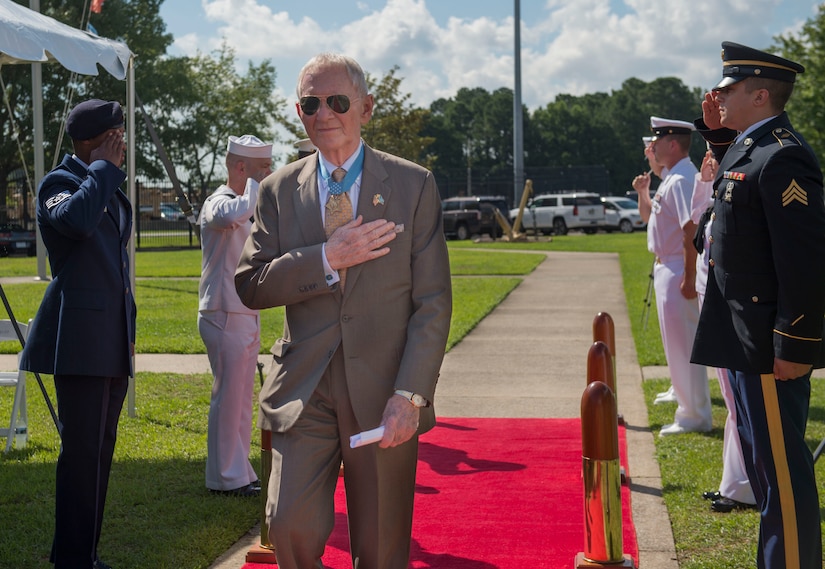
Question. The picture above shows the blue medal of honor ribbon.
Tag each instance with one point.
(338, 188)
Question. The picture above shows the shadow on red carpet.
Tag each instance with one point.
(494, 494)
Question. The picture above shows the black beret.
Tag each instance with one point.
(740, 62)
(93, 117)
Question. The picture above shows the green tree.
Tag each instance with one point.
(805, 107)
(396, 125)
(135, 22)
(205, 101)
(475, 130)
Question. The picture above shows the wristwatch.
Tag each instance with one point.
(414, 398)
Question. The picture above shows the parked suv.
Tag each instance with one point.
(474, 215)
(622, 214)
(558, 213)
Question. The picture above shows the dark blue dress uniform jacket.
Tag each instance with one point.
(86, 321)
(767, 254)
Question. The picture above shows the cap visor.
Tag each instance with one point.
(728, 81)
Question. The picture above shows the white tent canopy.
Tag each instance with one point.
(27, 36)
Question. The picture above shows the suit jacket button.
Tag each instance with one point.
(710, 239)
(712, 263)
(713, 216)
(755, 298)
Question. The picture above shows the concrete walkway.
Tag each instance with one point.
(528, 358)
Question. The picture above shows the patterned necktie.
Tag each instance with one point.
(338, 210)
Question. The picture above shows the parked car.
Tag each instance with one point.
(623, 214)
(171, 212)
(14, 238)
(474, 215)
(558, 213)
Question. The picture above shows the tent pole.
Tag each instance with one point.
(39, 162)
(130, 175)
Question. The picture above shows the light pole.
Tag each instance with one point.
(518, 123)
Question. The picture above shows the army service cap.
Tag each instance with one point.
(740, 62)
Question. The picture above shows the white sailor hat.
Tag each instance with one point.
(305, 145)
(663, 127)
(248, 146)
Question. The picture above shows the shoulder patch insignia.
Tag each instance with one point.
(56, 199)
(794, 192)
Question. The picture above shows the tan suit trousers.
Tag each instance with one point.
(380, 485)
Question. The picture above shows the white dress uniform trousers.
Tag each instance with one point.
(678, 316)
(231, 333)
(734, 483)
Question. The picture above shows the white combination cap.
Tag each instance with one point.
(662, 127)
(248, 146)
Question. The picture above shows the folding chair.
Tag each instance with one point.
(18, 429)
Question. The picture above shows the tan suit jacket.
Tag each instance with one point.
(394, 316)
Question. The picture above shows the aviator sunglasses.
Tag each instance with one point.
(338, 103)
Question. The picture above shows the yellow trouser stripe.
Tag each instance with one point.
(783, 475)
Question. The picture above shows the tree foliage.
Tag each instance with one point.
(475, 129)
(135, 22)
(396, 124)
(195, 102)
(205, 101)
(805, 107)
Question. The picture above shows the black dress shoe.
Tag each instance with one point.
(726, 505)
(713, 495)
(248, 491)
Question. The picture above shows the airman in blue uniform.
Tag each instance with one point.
(84, 330)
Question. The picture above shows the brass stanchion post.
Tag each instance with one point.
(602, 485)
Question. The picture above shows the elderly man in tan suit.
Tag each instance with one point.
(368, 308)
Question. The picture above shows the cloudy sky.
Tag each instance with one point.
(575, 47)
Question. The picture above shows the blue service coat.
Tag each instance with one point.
(86, 321)
(765, 286)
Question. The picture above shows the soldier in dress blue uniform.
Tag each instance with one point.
(84, 330)
(763, 313)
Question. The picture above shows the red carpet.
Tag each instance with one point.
(495, 494)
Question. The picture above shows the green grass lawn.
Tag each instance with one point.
(158, 513)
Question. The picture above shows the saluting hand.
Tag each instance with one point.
(709, 167)
(710, 112)
(112, 149)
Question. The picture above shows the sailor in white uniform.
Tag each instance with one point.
(230, 330)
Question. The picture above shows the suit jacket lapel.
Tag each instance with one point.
(373, 198)
(308, 204)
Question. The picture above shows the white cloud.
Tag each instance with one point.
(569, 47)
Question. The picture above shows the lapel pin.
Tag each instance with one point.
(377, 199)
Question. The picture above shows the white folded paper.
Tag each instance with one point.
(366, 438)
